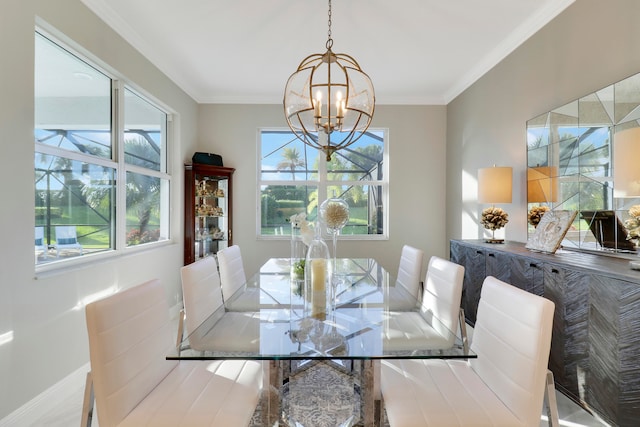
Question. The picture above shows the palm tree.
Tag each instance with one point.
(291, 160)
(143, 191)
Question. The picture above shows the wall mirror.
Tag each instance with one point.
(585, 156)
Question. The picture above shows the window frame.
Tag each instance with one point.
(322, 184)
(117, 160)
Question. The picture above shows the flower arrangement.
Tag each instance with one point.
(494, 218)
(535, 214)
(296, 220)
(299, 221)
(298, 268)
(301, 237)
(632, 224)
(134, 237)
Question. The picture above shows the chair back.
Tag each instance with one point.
(512, 338)
(232, 275)
(39, 236)
(410, 270)
(130, 335)
(442, 294)
(40, 243)
(201, 292)
(66, 235)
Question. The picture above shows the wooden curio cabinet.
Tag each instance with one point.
(207, 210)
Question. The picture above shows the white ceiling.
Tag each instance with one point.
(243, 51)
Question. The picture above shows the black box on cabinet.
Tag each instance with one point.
(207, 159)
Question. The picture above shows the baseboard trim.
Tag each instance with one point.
(36, 408)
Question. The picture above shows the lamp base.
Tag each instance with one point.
(494, 240)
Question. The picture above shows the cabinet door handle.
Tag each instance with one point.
(492, 255)
(479, 252)
(555, 270)
(533, 265)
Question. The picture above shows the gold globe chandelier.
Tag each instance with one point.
(329, 100)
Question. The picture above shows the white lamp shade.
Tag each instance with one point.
(626, 168)
(494, 184)
(542, 184)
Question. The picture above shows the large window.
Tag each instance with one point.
(295, 178)
(101, 181)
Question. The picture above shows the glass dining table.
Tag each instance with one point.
(367, 319)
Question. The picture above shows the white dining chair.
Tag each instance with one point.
(503, 387)
(410, 270)
(130, 335)
(408, 286)
(436, 322)
(202, 297)
(232, 278)
(232, 275)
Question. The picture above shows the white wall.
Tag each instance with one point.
(587, 47)
(417, 178)
(49, 334)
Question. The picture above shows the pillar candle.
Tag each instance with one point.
(318, 274)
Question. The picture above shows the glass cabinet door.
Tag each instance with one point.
(207, 211)
(211, 215)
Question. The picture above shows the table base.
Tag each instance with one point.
(322, 393)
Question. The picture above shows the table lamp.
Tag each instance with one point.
(542, 184)
(626, 178)
(626, 173)
(542, 187)
(494, 186)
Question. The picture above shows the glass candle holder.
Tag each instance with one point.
(318, 276)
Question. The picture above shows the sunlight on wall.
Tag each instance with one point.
(7, 337)
(469, 209)
(95, 297)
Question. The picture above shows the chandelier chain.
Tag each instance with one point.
(329, 39)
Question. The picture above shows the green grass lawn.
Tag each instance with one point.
(92, 236)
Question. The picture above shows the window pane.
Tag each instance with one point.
(279, 202)
(144, 136)
(147, 212)
(79, 194)
(285, 158)
(291, 174)
(360, 161)
(365, 208)
(72, 102)
(73, 118)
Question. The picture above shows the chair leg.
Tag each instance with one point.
(463, 330)
(87, 405)
(180, 329)
(551, 402)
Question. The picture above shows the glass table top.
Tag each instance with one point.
(270, 318)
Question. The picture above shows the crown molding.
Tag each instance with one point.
(519, 36)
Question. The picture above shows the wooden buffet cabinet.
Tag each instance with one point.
(208, 216)
(595, 348)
